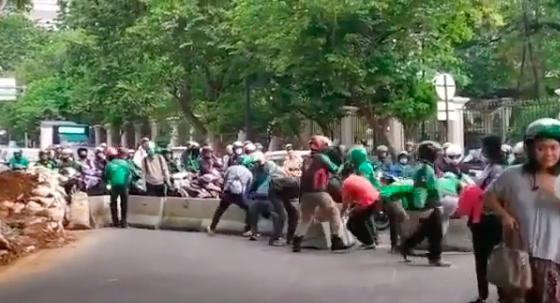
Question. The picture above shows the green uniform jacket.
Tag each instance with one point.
(358, 156)
(18, 163)
(50, 164)
(118, 172)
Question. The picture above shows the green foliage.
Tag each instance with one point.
(113, 61)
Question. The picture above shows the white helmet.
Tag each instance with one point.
(518, 149)
(506, 149)
(229, 149)
(66, 152)
(446, 145)
(453, 154)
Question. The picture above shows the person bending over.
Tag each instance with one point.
(358, 197)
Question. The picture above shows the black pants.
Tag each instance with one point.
(360, 224)
(394, 229)
(155, 190)
(119, 193)
(485, 235)
(260, 208)
(228, 199)
(431, 229)
(280, 194)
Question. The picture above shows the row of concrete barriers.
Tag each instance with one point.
(193, 214)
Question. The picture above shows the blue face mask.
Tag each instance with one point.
(403, 160)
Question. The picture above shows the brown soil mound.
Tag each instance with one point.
(16, 186)
(23, 231)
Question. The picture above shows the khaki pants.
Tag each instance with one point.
(307, 205)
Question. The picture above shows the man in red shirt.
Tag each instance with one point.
(359, 197)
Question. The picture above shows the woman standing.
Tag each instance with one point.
(526, 198)
(484, 225)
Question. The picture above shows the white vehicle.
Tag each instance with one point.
(279, 156)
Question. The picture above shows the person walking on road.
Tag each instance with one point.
(237, 180)
(155, 170)
(117, 175)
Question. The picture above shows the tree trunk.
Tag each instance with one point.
(184, 103)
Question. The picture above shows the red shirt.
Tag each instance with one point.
(359, 190)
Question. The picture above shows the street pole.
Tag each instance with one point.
(446, 127)
(247, 109)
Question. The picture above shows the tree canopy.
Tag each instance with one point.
(129, 60)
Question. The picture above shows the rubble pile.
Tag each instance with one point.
(32, 209)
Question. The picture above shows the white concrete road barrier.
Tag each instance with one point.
(99, 211)
(145, 211)
(457, 237)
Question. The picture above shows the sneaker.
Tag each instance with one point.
(368, 247)
(247, 234)
(210, 231)
(253, 238)
(296, 244)
(277, 242)
(478, 300)
(439, 263)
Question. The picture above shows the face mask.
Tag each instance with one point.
(403, 161)
(83, 156)
(238, 151)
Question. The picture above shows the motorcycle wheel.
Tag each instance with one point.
(381, 221)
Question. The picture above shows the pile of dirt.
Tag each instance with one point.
(32, 208)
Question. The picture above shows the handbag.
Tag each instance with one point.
(508, 267)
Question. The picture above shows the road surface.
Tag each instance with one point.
(142, 266)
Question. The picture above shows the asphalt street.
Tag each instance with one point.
(143, 266)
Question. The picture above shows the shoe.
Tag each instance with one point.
(247, 234)
(478, 300)
(123, 225)
(368, 247)
(405, 253)
(296, 243)
(277, 242)
(253, 238)
(394, 250)
(114, 225)
(210, 231)
(337, 244)
(439, 263)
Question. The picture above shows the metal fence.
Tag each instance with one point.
(504, 117)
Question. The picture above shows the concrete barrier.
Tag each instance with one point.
(145, 211)
(456, 238)
(193, 214)
(99, 211)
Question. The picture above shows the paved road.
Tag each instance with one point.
(141, 266)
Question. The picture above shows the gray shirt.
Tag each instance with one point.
(237, 179)
(535, 210)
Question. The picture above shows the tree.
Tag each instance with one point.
(18, 37)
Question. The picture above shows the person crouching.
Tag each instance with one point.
(359, 196)
(117, 175)
(237, 180)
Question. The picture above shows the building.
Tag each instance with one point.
(44, 12)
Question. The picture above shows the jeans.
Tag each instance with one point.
(228, 199)
(360, 224)
(257, 209)
(280, 195)
(430, 228)
(156, 190)
(119, 193)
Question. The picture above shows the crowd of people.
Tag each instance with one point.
(513, 201)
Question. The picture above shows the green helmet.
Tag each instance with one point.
(450, 175)
(543, 128)
(357, 155)
(245, 161)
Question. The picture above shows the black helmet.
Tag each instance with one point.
(428, 151)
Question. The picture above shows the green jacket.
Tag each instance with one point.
(426, 192)
(358, 157)
(18, 163)
(118, 172)
(50, 164)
